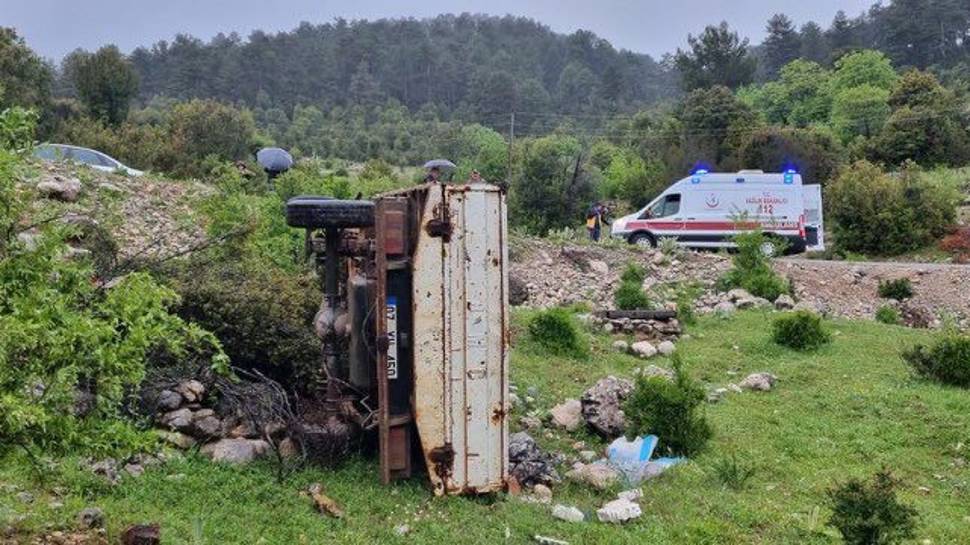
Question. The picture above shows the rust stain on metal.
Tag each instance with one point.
(439, 228)
(443, 458)
(498, 413)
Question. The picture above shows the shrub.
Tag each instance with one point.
(947, 362)
(887, 315)
(668, 246)
(555, 330)
(670, 409)
(752, 268)
(868, 513)
(878, 214)
(262, 315)
(801, 330)
(202, 128)
(633, 273)
(898, 289)
(958, 244)
(685, 308)
(630, 296)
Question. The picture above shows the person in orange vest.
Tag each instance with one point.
(594, 221)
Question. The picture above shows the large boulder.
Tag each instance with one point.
(235, 451)
(602, 406)
(568, 415)
(178, 420)
(518, 290)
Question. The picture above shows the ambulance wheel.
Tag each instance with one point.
(643, 240)
(773, 246)
(321, 212)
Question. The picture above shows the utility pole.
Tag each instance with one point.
(508, 175)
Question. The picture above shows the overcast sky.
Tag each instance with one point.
(55, 27)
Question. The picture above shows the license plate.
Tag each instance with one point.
(392, 338)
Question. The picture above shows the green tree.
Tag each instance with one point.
(712, 124)
(781, 46)
(867, 67)
(814, 46)
(25, 79)
(716, 57)
(106, 83)
(814, 151)
(860, 111)
(552, 188)
(203, 128)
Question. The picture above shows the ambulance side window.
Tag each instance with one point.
(669, 206)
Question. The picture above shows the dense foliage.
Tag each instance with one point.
(877, 213)
(897, 288)
(801, 330)
(947, 361)
(868, 513)
(670, 409)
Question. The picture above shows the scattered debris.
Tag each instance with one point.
(568, 514)
(543, 540)
(324, 504)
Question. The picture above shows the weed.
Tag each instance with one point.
(887, 315)
(898, 289)
(733, 473)
(801, 330)
(630, 296)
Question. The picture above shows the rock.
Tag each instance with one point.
(518, 290)
(235, 451)
(109, 187)
(738, 294)
(176, 439)
(759, 381)
(734, 388)
(135, 470)
(805, 305)
(597, 475)
(168, 401)
(514, 400)
(206, 426)
(724, 308)
(651, 371)
(90, 518)
(29, 240)
(608, 328)
(568, 514)
(402, 529)
(784, 302)
(60, 189)
(716, 395)
(25, 497)
(191, 390)
(666, 348)
(599, 267)
(621, 346)
(587, 456)
(658, 259)
(107, 468)
(542, 493)
(532, 391)
(602, 406)
(643, 349)
(180, 419)
(142, 534)
(618, 511)
(528, 464)
(633, 494)
(568, 415)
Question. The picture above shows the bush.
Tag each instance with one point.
(947, 362)
(671, 410)
(887, 315)
(262, 315)
(752, 269)
(878, 214)
(774, 149)
(868, 513)
(202, 128)
(555, 330)
(898, 289)
(633, 273)
(630, 296)
(801, 330)
(958, 244)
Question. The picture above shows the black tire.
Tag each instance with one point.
(642, 240)
(322, 212)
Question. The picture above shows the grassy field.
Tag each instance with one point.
(842, 412)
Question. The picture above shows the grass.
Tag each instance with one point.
(842, 411)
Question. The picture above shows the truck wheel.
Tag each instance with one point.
(321, 212)
(643, 240)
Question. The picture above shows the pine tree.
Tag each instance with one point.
(782, 44)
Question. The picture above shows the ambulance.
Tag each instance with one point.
(706, 210)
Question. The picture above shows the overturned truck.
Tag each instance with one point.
(415, 316)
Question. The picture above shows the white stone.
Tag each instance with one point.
(633, 494)
(235, 451)
(599, 267)
(666, 348)
(621, 346)
(568, 514)
(618, 511)
(759, 381)
(568, 415)
(644, 349)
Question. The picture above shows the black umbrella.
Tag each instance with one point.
(440, 163)
(274, 159)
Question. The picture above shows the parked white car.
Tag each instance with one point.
(84, 156)
(703, 211)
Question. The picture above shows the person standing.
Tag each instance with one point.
(594, 221)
